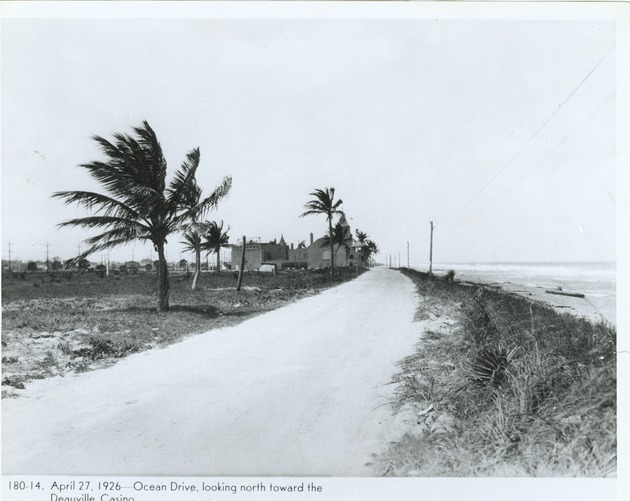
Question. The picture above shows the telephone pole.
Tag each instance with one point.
(242, 268)
(9, 256)
(47, 262)
(407, 254)
(431, 253)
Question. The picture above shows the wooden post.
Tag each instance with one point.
(240, 272)
(431, 253)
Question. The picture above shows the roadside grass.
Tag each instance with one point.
(512, 388)
(88, 322)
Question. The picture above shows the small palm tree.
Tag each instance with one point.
(194, 230)
(324, 203)
(362, 238)
(372, 249)
(215, 239)
(192, 243)
(340, 238)
(138, 204)
(301, 246)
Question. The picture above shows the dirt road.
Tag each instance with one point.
(298, 391)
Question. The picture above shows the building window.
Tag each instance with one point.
(326, 254)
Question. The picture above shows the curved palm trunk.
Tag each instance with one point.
(197, 267)
(163, 285)
(332, 245)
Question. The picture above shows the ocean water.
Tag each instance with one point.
(593, 279)
(597, 281)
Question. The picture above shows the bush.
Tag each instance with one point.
(99, 347)
(450, 276)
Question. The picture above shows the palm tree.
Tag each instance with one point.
(324, 203)
(340, 238)
(192, 243)
(138, 203)
(192, 198)
(362, 238)
(194, 230)
(372, 249)
(300, 246)
(215, 238)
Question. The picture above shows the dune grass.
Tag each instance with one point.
(512, 388)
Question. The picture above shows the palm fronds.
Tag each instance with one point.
(137, 204)
(323, 203)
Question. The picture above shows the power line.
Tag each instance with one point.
(561, 142)
(576, 130)
(507, 164)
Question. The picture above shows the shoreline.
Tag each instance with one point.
(588, 307)
(595, 306)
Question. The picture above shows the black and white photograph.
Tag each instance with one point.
(328, 250)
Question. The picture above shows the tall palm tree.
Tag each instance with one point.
(138, 204)
(215, 239)
(324, 203)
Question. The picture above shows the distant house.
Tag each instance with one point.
(318, 253)
(257, 254)
(314, 256)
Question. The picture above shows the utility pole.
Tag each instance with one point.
(47, 262)
(407, 254)
(9, 256)
(240, 272)
(431, 253)
(399, 259)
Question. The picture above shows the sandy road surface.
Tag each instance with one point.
(297, 391)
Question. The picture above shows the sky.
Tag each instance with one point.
(502, 132)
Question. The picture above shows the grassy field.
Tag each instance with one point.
(503, 386)
(56, 323)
